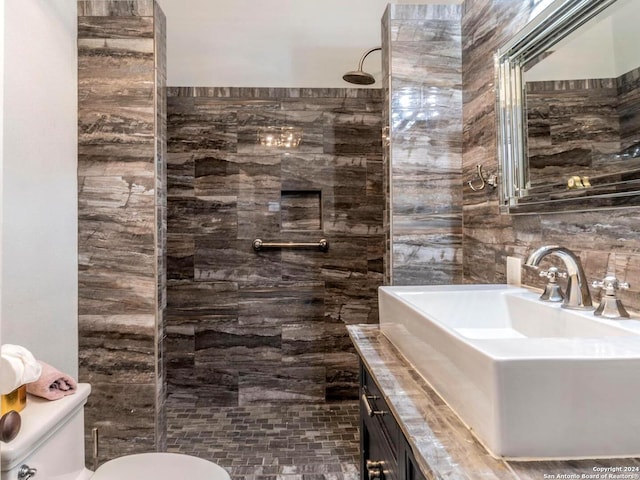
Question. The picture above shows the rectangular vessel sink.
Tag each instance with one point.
(530, 379)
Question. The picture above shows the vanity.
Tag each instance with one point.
(432, 442)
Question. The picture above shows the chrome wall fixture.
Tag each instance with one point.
(358, 77)
(322, 245)
(491, 180)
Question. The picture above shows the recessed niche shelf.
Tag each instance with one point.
(301, 210)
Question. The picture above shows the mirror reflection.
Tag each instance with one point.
(582, 100)
(580, 124)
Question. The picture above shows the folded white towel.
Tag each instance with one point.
(17, 367)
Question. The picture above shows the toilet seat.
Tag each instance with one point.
(159, 466)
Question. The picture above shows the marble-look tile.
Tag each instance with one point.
(253, 353)
(180, 251)
(122, 226)
(249, 123)
(347, 214)
(181, 174)
(281, 303)
(200, 303)
(629, 108)
(259, 212)
(304, 339)
(113, 192)
(117, 348)
(115, 160)
(191, 133)
(216, 175)
(115, 27)
(345, 259)
(352, 301)
(341, 175)
(115, 8)
(234, 261)
(352, 134)
(115, 70)
(124, 414)
(579, 122)
(425, 152)
(264, 386)
(343, 375)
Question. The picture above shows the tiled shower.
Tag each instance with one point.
(247, 327)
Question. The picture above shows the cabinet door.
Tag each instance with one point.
(378, 462)
(407, 467)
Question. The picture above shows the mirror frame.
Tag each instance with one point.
(555, 22)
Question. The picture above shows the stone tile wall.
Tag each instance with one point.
(269, 327)
(120, 226)
(605, 240)
(629, 108)
(423, 119)
(559, 150)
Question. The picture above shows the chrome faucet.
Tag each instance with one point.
(577, 296)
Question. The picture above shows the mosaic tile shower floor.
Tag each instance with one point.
(280, 442)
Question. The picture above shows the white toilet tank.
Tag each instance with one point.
(51, 439)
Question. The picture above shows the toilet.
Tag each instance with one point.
(51, 441)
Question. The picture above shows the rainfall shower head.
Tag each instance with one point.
(359, 77)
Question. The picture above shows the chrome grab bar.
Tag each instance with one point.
(322, 245)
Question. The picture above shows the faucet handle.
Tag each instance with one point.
(552, 274)
(610, 284)
(610, 306)
(552, 291)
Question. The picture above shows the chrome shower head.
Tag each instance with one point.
(359, 77)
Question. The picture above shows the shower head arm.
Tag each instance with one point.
(365, 54)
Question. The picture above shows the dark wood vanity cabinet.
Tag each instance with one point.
(385, 453)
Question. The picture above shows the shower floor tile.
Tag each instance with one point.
(279, 442)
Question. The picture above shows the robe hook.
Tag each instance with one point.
(491, 180)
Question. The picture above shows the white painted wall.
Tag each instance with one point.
(272, 43)
(626, 35)
(605, 47)
(39, 228)
(1, 144)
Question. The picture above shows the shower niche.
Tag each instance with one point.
(301, 210)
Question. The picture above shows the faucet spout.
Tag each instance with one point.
(577, 296)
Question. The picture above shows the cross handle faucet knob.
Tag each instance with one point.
(610, 285)
(552, 274)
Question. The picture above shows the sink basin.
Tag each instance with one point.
(530, 379)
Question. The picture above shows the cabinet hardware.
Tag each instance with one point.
(374, 469)
(370, 411)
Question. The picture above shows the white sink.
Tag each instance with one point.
(531, 380)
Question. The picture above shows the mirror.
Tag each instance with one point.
(568, 109)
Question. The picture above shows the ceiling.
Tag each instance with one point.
(272, 43)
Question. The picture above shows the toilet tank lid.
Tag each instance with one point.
(40, 420)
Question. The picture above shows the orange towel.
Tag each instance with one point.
(52, 384)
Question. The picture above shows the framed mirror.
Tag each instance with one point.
(568, 109)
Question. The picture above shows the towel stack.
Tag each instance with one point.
(19, 367)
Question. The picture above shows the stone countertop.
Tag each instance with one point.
(443, 446)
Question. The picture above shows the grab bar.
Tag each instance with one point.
(322, 245)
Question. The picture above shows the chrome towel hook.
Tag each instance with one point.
(491, 180)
